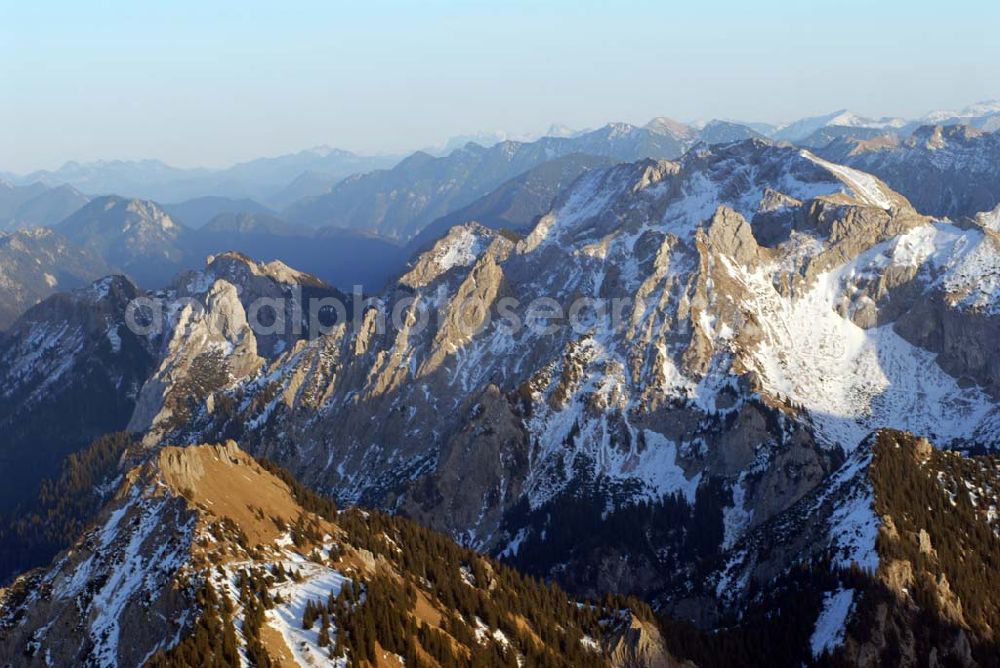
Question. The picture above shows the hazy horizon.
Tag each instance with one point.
(198, 86)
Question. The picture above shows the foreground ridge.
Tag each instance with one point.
(207, 557)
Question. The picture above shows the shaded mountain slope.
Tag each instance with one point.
(70, 370)
(399, 202)
(36, 263)
(516, 204)
(943, 170)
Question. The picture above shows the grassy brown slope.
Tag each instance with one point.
(415, 593)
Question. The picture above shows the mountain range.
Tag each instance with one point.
(679, 395)
(269, 179)
(37, 205)
(401, 201)
(948, 171)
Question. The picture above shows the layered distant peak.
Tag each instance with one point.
(134, 213)
(803, 128)
(401, 201)
(36, 205)
(618, 129)
(195, 213)
(118, 214)
(711, 132)
(35, 263)
(668, 126)
(516, 204)
(560, 130)
(939, 136)
(246, 222)
(851, 120)
(980, 115)
(136, 235)
(724, 132)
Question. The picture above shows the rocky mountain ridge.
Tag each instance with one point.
(749, 314)
(36, 205)
(945, 170)
(779, 302)
(203, 555)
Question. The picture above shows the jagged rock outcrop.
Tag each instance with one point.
(660, 390)
(232, 318)
(640, 645)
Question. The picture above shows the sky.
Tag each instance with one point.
(213, 82)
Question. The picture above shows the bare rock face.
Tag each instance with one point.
(460, 247)
(206, 350)
(230, 319)
(709, 339)
(666, 388)
(943, 299)
(469, 310)
(640, 645)
(468, 492)
(730, 235)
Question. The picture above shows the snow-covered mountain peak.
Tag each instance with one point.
(750, 177)
(977, 110)
(802, 128)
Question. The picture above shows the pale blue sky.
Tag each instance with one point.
(210, 83)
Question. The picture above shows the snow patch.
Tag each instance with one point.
(850, 379)
(829, 632)
(865, 186)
